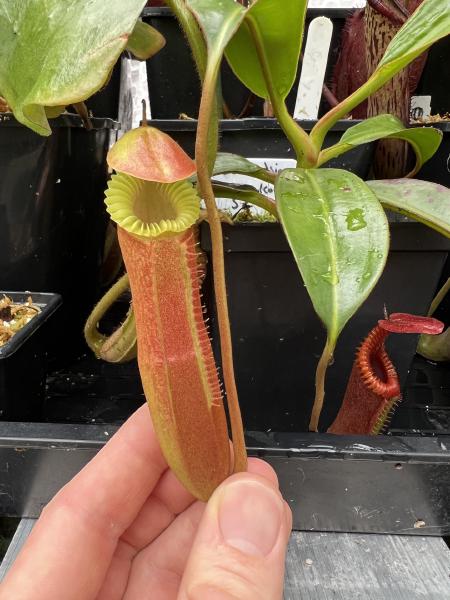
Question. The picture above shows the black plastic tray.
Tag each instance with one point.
(398, 485)
(23, 360)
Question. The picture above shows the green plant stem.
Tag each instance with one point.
(94, 338)
(82, 111)
(192, 31)
(321, 128)
(198, 47)
(304, 149)
(332, 152)
(321, 370)
(207, 193)
(305, 152)
(439, 297)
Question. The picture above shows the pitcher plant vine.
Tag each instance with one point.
(334, 222)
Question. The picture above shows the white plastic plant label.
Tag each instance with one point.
(336, 3)
(420, 107)
(314, 65)
(133, 89)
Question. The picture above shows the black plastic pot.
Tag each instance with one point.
(263, 138)
(277, 336)
(437, 169)
(436, 77)
(52, 216)
(426, 403)
(105, 103)
(23, 361)
(174, 85)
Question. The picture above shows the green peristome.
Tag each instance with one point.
(280, 28)
(339, 235)
(150, 209)
(424, 201)
(59, 53)
(424, 140)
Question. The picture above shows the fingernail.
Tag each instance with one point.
(250, 517)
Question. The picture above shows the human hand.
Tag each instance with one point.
(125, 528)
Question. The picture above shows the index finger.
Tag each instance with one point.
(70, 548)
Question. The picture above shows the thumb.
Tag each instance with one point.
(240, 547)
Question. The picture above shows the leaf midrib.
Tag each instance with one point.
(333, 327)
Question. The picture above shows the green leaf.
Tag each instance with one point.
(246, 194)
(54, 111)
(218, 19)
(197, 44)
(424, 201)
(339, 235)
(191, 30)
(435, 347)
(429, 23)
(279, 27)
(424, 140)
(145, 41)
(233, 163)
(59, 53)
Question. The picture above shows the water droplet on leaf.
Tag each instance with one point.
(295, 177)
(355, 220)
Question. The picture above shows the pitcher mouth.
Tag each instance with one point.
(149, 209)
(377, 371)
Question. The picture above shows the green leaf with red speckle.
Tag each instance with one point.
(424, 201)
